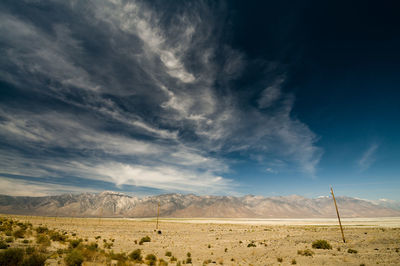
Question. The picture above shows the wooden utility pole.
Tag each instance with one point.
(158, 214)
(101, 215)
(338, 216)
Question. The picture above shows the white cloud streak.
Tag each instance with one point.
(368, 157)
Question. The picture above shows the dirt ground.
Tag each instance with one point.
(236, 243)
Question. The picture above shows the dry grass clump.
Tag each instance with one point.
(353, 251)
(151, 259)
(144, 239)
(305, 252)
(74, 258)
(321, 244)
(136, 255)
(18, 256)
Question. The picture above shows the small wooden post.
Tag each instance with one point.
(337, 212)
(158, 214)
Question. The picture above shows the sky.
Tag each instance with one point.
(266, 98)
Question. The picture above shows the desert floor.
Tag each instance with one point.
(224, 241)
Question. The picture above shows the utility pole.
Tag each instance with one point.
(338, 216)
(158, 214)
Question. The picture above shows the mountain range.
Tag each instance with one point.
(114, 204)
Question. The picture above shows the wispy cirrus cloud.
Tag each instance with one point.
(131, 93)
(368, 157)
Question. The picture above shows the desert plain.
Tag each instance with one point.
(223, 241)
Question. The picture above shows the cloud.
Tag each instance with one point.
(13, 187)
(133, 93)
(368, 157)
(270, 95)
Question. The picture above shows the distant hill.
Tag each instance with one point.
(113, 204)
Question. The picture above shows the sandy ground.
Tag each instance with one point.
(225, 241)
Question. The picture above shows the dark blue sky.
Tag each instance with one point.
(205, 97)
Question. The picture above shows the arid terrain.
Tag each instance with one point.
(218, 241)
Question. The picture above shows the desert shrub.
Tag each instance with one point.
(35, 259)
(30, 250)
(321, 244)
(8, 233)
(74, 234)
(60, 251)
(9, 239)
(188, 254)
(294, 261)
(97, 237)
(118, 256)
(42, 230)
(25, 241)
(56, 236)
(168, 254)
(279, 259)
(136, 255)
(20, 233)
(172, 259)
(188, 260)
(251, 245)
(144, 239)
(226, 249)
(74, 243)
(178, 263)
(305, 252)
(43, 240)
(151, 259)
(108, 245)
(209, 246)
(352, 251)
(162, 262)
(12, 256)
(74, 258)
(22, 225)
(92, 246)
(3, 244)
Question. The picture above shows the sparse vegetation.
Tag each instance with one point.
(252, 244)
(42, 230)
(12, 256)
(151, 259)
(108, 245)
(3, 244)
(56, 236)
(74, 243)
(353, 251)
(305, 252)
(74, 258)
(162, 262)
(144, 239)
(279, 259)
(294, 261)
(136, 255)
(321, 244)
(168, 253)
(35, 259)
(20, 233)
